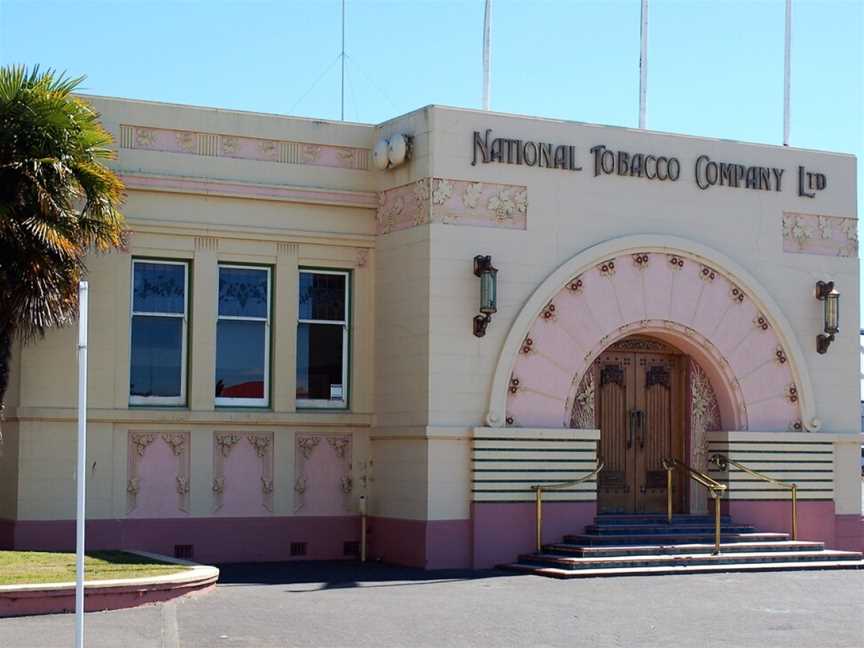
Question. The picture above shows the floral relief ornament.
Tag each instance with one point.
(229, 145)
(347, 484)
(218, 485)
(339, 445)
(187, 141)
(797, 229)
(175, 441)
(226, 442)
(261, 442)
(300, 485)
(307, 445)
(182, 485)
(141, 440)
(133, 486)
(144, 137)
(266, 486)
(472, 195)
(507, 203)
(442, 191)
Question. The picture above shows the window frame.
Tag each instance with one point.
(345, 323)
(184, 339)
(263, 402)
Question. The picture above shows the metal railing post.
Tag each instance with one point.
(716, 521)
(794, 511)
(539, 518)
(669, 495)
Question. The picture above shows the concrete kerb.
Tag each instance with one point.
(108, 594)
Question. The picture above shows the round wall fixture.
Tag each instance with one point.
(380, 154)
(398, 149)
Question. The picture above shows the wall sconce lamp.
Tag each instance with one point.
(488, 292)
(828, 294)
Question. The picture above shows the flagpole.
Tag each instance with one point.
(643, 62)
(487, 48)
(342, 117)
(81, 471)
(787, 72)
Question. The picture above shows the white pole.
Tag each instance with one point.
(487, 53)
(343, 63)
(787, 72)
(643, 62)
(81, 472)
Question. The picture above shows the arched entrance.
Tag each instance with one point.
(650, 401)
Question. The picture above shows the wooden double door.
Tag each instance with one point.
(638, 408)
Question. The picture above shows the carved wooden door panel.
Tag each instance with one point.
(638, 410)
(658, 425)
(615, 401)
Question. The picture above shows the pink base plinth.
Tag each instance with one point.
(433, 544)
(96, 599)
(816, 521)
(502, 531)
(214, 540)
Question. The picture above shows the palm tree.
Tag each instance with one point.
(58, 202)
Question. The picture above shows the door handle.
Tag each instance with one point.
(630, 428)
(640, 424)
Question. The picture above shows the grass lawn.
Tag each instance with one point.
(23, 567)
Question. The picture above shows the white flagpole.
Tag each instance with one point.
(487, 50)
(787, 72)
(81, 472)
(643, 62)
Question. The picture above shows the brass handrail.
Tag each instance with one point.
(716, 488)
(723, 462)
(539, 488)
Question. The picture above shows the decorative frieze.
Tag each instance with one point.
(452, 202)
(819, 234)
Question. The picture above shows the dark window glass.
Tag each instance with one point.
(157, 346)
(322, 296)
(240, 359)
(158, 288)
(243, 292)
(319, 362)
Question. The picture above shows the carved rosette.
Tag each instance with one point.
(704, 418)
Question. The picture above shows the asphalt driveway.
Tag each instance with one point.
(333, 604)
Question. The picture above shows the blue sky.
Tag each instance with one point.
(716, 68)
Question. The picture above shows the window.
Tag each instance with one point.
(243, 336)
(158, 346)
(322, 339)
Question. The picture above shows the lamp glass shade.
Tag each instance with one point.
(489, 291)
(832, 312)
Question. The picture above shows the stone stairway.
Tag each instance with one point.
(634, 545)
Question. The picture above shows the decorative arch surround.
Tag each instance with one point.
(675, 290)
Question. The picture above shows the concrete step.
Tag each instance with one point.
(620, 562)
(621, 518)
(791, 565)
(664, 529)
(671, 538)
(673, 549)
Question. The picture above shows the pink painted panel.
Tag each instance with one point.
(530, 409)
(575, 316)
(629, 288)
(503, 531)
(686, 288)
(774, 415)
(713, 305)
(214, 539)
(397, 541)
(403, 207)
(539, 373)
(769, 380)
(448, 544)
(241, 494)
(599, 296)
(754, 351)
(815, 518)
(159, 493)
(659, 275)
(735, 325)
(323, 470)
(818, 234)
(552, 337)
(849, 532)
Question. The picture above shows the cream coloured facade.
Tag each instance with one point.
(442, 431)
